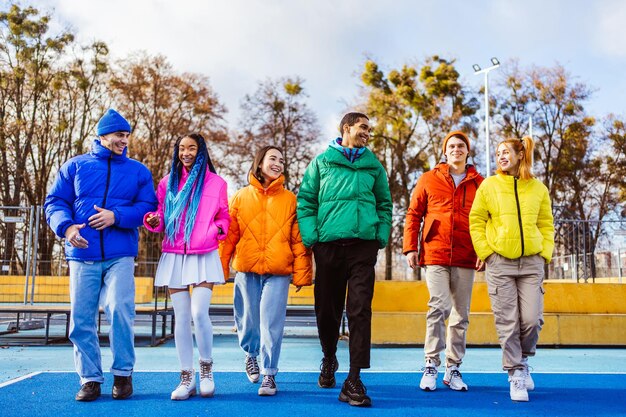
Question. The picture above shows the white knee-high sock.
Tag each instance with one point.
(200, 302)
(182, 333)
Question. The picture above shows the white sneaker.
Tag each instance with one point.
(187, 386)
(207, 386)
(453, 378)
(518, 386)
(530, 384)
(252, 369)
(268, 386)
(429, 379)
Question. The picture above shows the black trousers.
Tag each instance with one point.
(340, 264)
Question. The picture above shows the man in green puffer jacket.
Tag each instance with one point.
(344, 214)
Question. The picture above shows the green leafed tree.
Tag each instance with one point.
(412, 109)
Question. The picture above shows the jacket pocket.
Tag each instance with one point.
(430, 227)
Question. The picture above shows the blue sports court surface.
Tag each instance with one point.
(569, 382)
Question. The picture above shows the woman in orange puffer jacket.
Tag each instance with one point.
(266, 249)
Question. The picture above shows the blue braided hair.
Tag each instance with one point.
(189, 196)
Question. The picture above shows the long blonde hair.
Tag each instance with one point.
(524, 146)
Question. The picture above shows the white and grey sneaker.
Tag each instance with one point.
(518, 386)
(453, 379)
(207, 385)
(530, 384)
(268, 386)
(187, 386)
(429, 378)
(252, 369)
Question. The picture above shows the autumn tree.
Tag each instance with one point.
(561, 126)
(162, 105)
(571, 151)
(275, 114)
(412, 109)
(31, 78)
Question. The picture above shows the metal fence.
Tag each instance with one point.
(32, 259)
(585, 251)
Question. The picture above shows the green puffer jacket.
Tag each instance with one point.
(343, 200)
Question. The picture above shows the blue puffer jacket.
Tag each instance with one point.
(114, 182)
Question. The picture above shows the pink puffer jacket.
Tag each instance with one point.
(212, 219)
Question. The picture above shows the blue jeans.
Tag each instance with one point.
(111, 284)
(260, 309)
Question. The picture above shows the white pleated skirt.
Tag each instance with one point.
(178, 271)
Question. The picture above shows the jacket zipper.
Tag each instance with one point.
(519, 215)
(454, 188)
(104, 202)
(464, 192)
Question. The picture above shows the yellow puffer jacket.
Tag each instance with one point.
(512, 217)
(263, 236)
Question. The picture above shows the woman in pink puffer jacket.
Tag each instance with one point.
(193, 213)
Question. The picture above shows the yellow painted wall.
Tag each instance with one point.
(575, 314)
(49, 289)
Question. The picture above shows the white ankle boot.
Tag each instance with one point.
(207, 385)
(187, 386)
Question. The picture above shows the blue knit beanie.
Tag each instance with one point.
(112, 122)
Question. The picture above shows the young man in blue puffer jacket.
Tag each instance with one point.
(97, 203)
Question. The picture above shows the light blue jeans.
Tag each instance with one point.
(110, 284)
(260, 303)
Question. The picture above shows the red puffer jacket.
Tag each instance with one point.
(445, 211)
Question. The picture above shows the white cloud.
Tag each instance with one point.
(238, 43)
(610, 36)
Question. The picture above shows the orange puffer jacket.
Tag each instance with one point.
(264, 237)
(445, 210)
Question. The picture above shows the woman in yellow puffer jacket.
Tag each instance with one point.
(512, 230)
(266, 249)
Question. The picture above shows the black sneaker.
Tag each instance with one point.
(122, 387)
(355, 393)
(88, 392)
(268, 386)
(327, 375)
(252, 369)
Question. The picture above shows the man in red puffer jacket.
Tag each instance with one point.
(442, 199)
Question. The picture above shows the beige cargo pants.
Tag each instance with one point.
(516, 294)
(450, 290)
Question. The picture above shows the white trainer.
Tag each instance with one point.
(207, 385)
(252, 369)
(530, 384)
(187, 386)
(268, 386)
(453, 379)
(429, 378)
(518, 386)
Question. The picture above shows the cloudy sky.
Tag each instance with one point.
(237, 43)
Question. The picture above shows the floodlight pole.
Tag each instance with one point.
(487, 147)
